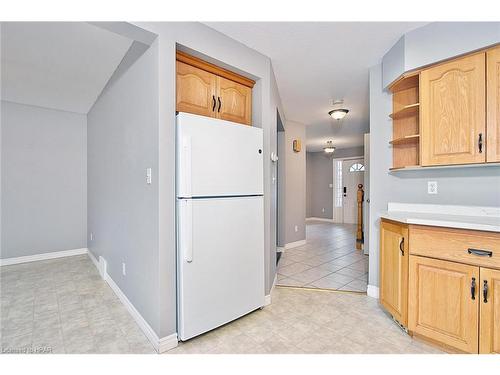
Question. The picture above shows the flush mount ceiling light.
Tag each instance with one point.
(339, 112)
(329, 149)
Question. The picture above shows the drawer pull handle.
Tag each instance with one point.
(473, 288)
(401, 246)
(485, 291)
(481, 253)
(214, 103)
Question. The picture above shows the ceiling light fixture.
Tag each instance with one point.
(329, 149)
(338, 113)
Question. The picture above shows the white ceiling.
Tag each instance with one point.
(316, 62)
(58, 65)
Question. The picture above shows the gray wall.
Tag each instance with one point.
(434, 42)
(319, 172)
(225, 51)
(44, 176)
(123, 211)
(459, 186)
(295, 194)
(349, 152)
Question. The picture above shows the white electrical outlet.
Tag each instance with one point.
(92, 236)
(323, 209)
(148, 176)
(330, 186)
(296, 228)
(432, 187)
(124, 269)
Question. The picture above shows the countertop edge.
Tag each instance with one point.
(406, 218)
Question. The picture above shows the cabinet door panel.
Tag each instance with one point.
(452, 112)
(394, 270)
(195, 90)
(440, 302)
(493, 104)
(235, 101)
(489, 331)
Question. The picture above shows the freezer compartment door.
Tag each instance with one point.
(218, 158)
(220, 254)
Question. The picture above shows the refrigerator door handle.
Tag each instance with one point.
(186, 167)
(187, 226)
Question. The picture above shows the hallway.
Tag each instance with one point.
(329, 260)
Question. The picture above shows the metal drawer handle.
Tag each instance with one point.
(481, 253)
(480, 143)
(485, 291)
(473, 288)
(214, 103)
(401, 246)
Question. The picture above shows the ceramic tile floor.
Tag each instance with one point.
(305, 321)
(329, 260)
(64, 306)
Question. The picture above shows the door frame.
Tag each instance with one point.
(334, 181)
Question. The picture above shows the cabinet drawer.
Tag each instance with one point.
(456, 245)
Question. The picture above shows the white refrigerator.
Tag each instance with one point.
(220, 222)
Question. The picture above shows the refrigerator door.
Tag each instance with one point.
(220, 256)
(218, 158)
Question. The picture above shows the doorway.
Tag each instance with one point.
(348, 173)
(280, 186)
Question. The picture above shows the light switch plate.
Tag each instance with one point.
(432, 187)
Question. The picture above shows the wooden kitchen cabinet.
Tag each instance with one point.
(444, 302)
(394, 269)
(493, 104)
(452, 112)
(235, 101)
(208, 90)
(196, 90)
(489, 301)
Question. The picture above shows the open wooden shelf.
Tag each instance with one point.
(407, 110)
(407, 167)
(405, 82)
(405, 139)
(405, 122)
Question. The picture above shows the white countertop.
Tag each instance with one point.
(463, 217)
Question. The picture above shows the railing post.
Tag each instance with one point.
(359, 232)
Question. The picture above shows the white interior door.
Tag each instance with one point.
(352, 175)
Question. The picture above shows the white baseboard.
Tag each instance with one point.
(94, 260)
(372, 291)
(44, 256)
(167, 343)
(267, 298)
(295, 244)
(160, 345)
(319, 219)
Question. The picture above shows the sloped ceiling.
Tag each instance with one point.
(58, 65)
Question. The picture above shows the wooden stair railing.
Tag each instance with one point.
(359, 232)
